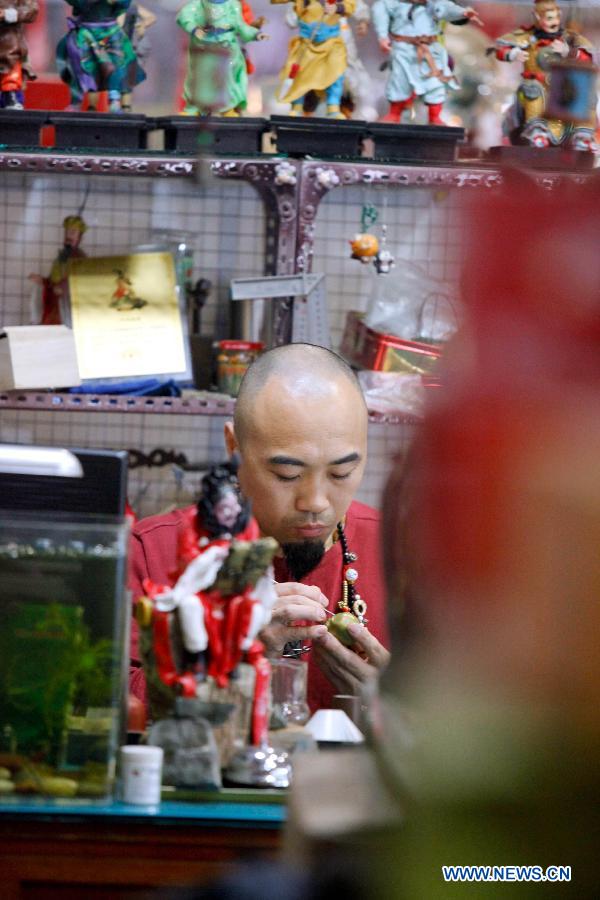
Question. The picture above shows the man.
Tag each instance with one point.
(300, 430)
(538, 47)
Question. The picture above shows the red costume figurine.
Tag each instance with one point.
(50, 304)
(206, 621)
(14, 14)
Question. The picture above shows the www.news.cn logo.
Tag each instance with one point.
(506, 873)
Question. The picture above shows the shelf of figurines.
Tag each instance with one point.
(191, 403)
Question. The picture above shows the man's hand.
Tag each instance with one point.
(296, 616)
(349, 669)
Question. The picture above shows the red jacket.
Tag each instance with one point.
(153, 554)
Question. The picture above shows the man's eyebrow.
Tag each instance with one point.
(286, 461)
(351, 457)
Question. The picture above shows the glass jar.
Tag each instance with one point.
(233, 359)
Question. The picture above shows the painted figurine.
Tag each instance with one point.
(96, 55)
(135, 22)
(537, 47)
(14, 68)
(224, 24)
(411, 32)
(357, 91)
(207, 621)
(50, 303)
(317, 57)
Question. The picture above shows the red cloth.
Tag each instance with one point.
(153, 554)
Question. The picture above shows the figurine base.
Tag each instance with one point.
(260, 766)
(21, 127)
(95, 131)
(542, 158)
(212, 134)
(303, 136)
(415, 143)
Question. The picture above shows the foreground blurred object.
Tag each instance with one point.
(540, 47)
(494, 530)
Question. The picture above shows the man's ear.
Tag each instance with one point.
(231, 443)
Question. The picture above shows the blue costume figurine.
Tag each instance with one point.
(411, 31)
(96, 54)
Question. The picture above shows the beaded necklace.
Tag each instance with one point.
(351, 601)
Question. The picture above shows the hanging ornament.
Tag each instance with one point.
(384, 262)
(365, 245)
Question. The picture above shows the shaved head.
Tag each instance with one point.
(300, 429)
(302, 370)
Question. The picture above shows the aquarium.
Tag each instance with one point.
(63, 638)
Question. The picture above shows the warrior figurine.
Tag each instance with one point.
(317, 57)
(14, 69)
(225, 25)
(411, 32)
(50, 304)
(537, 47)
(96, 55)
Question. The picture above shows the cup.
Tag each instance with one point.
(352, 706)
(141, 774)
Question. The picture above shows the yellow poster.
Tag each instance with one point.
(126, 318)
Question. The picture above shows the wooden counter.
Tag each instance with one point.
(51, 850)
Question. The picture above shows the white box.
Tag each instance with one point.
(37, 356)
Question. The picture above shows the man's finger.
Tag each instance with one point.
(310, 591)
(376, 653)
(297, 611)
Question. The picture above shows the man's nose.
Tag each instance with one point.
(312, 497)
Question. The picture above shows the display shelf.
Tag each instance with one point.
(205, 405)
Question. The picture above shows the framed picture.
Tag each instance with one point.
(127, 317)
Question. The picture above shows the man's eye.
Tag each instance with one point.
(341, 477)
(286, 477)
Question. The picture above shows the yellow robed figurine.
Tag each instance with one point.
(317, 57)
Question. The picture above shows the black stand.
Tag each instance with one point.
(542, 157)
(21, 127)
(99, 131)
(415, 143)
(307, 136)
(213, 134)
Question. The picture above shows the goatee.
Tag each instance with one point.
(302, 557)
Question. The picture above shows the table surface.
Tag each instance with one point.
(233, 808)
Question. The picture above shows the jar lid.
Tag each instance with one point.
(241, 345)
(141, 753)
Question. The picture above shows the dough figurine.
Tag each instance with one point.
(317, 57)
(221, 23)
(537, 47)
(50, 303)
(411, 32)
(96, 55)
(14, 69)
(207, 621)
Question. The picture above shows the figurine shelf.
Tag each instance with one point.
(21, 128)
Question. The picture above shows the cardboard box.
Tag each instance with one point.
(37, 356)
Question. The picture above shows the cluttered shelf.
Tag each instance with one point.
(201, 404)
